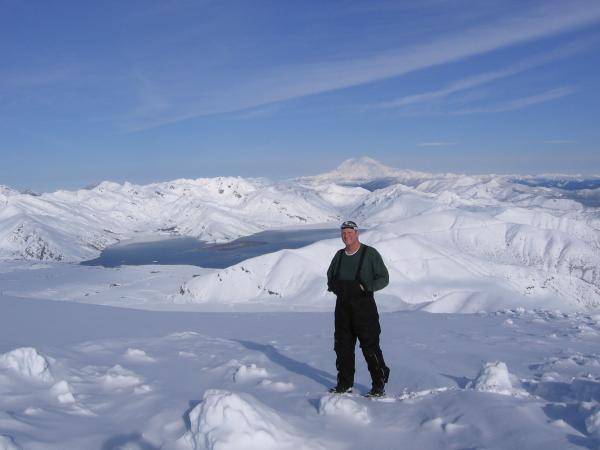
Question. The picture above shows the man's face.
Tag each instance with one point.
(349, 236)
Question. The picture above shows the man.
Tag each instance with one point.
(353, 275)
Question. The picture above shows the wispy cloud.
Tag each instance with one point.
(436, 144)
(486, 77)
(521, 103)
(291, 82)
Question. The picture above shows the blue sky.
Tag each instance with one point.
(155, 90)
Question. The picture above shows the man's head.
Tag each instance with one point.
(350, 234)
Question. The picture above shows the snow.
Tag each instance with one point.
(184, 357)
(482, 242)
(118, 377)
(138, 355)
(226, 420)
(592, 424)
(8, 443)
(77, 225)
(450, 374)
(362, 170)
(27, 362)
(494, 377)
(249, 373)
(345, 408)
(438, 261)
(278, 386)
(63, 392)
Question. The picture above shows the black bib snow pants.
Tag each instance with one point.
(356, 316)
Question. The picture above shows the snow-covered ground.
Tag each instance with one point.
(85, 376)
(185, 357)
(142, 287)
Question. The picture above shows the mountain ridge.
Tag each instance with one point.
(453, 242)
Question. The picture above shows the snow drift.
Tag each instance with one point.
(227, 420)
(28, 363)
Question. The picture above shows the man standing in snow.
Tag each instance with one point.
(353, 275)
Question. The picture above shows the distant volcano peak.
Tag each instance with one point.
(365, 168)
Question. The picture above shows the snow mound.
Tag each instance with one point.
(439, 424)
(495, 377)
(182, 335)
(8, 443)
(137, 355)
(227, 420)
(117, 377)
(249, 373)
(277, 386)
(62, 391)
(27, 362)
(143, 389)
(345, 407)
(32, 411)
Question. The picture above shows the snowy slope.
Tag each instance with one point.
(441, 258)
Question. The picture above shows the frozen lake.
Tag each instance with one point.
(190, 251)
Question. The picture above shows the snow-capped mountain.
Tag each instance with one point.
(363, 169)
(452, 242)
(441, 258)
(368, 173)
(75, 225)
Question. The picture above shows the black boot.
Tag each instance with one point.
(340, 390)
(376, 391)
(380, 373)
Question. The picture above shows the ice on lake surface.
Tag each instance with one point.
(190, 251)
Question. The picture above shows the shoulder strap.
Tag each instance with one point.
(336, 273)
(360, 261)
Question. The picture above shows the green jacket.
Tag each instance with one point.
(373, 274)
